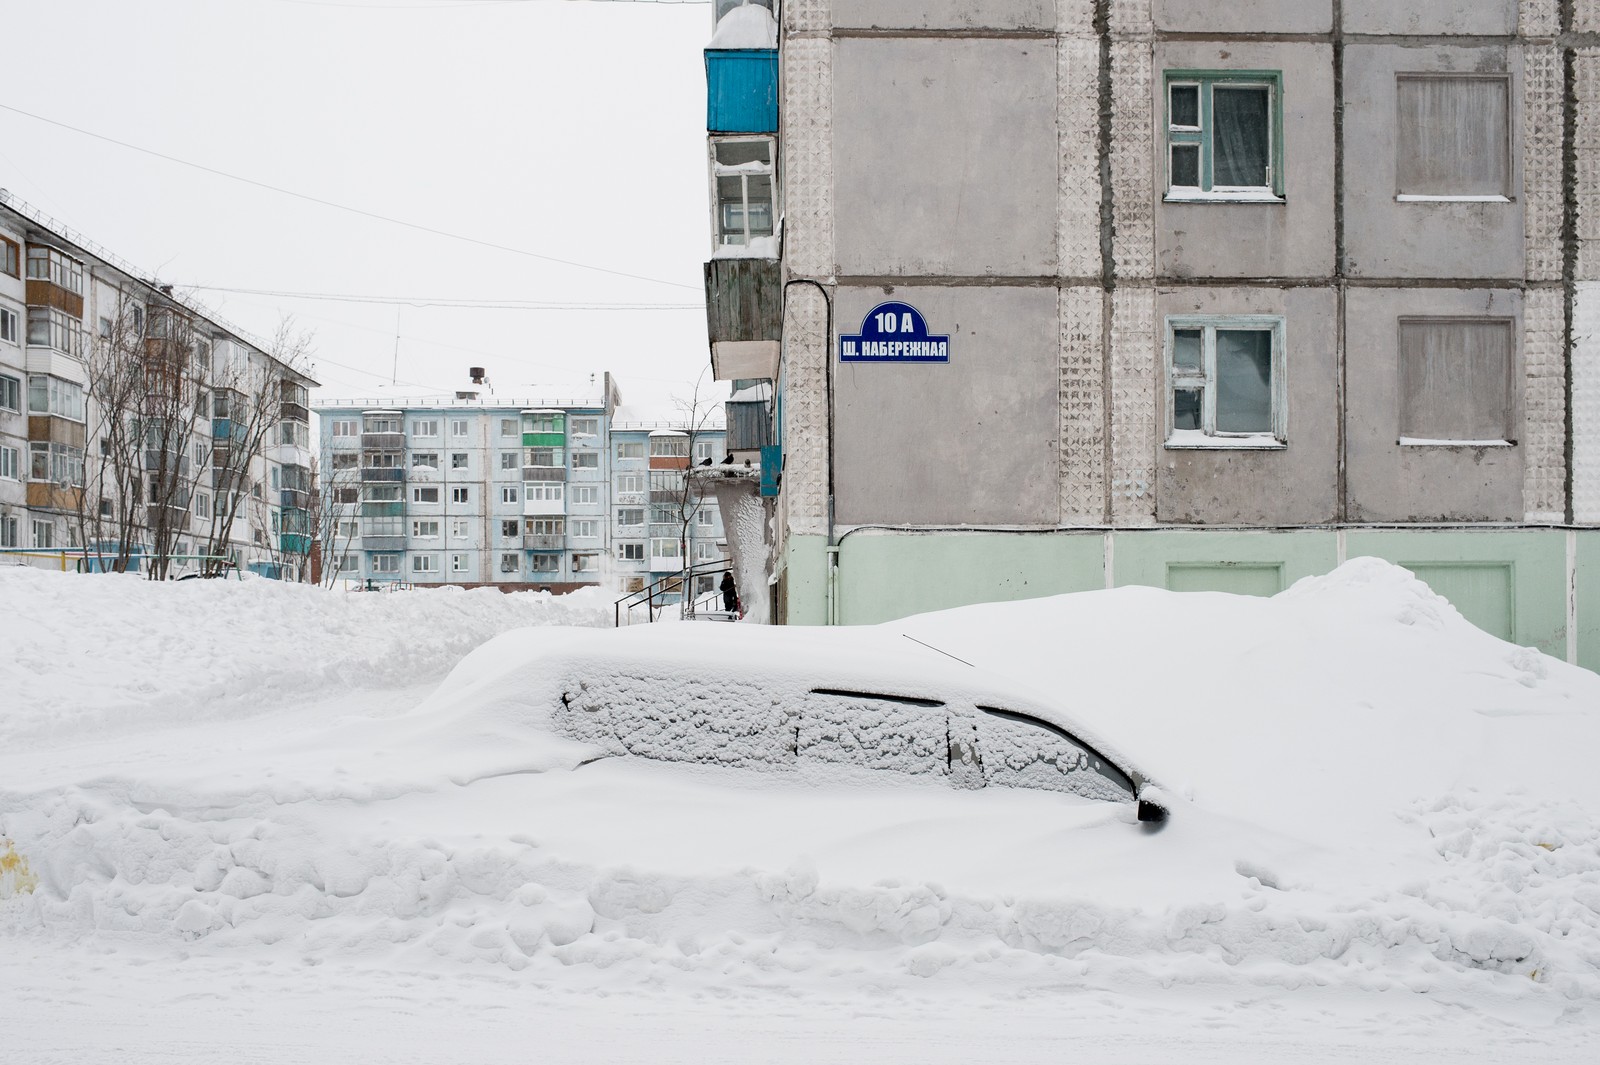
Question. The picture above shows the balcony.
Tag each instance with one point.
(744, 317)
(297, 500)
(544, 440)
(386, 509)
(544, 542)
(296, 412)
(370, 542)
(546, 474)
(749, 425)
(741, 90)
(383, 474)
(671, 496)
(383, 441)
(631, 499)
(669, 462)
(295, 544)
(544, 508)
(664, 564)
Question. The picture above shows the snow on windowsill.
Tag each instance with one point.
(1182, 195)
(1414, 197)
(1196, 440)
(1419, 441)
(758, 248)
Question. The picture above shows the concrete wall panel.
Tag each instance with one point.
(1293, 486)
(972, 441)
(1290, 239)
(1424, 17)
(1388, 482)
(1386, 238)
(945, 14)
(929, 166)
(1163, 558)
(1243, 16)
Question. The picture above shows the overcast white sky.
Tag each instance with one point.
(573, 129)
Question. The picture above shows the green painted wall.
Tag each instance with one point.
(883, 576)
(1250, 563)
(1511, 583)
(1587, 593)
(805, 579)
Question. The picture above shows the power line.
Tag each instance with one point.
(443, 5)
(340, 206)
(449, 302)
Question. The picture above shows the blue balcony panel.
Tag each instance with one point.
(742, 90)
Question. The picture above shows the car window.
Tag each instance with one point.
(1021, 751)
(898, 733)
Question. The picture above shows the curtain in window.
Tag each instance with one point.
(1244, 381)
(1241, 143)
(1453, 137)
(1455, 380)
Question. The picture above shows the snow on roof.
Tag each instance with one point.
(748, 26)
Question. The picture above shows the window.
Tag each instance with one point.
(670, 447)
(630, 449)
(10, 464)
(510, 562)
(424, 563)
(706, 551)
(8, 532)
(543, 422)
(346, 496)
(586, 563)
(202, 505)
(708, 449)
(381, 460)
(429, 494)
(544, 563)
(429, 459)
(458, 460)
(546, 493)
(458, 563)
(382, 423)
(384, 526)
(1225, 382)
(458, 427)
(629, 517)
(586, 494)
(344, 427)
(664, 547)
(10, 261)
(509, 493)
(1453, 137)
(386, 563)
(510, 460)
(10, 393)
(586, 529)
(545, 526)
(50, 328)
(663, 515)
(425, 530)
(547, 457)
(508, 528)
(631, 552)
(705, 518)
(346, 530)
(44, 534)
(344, 460)
(425, 427)
(106, 328)
(460, 495)
(586, 460)
(55, 463)
(349, 563)
(47, 264)
(510, 427)
(1456, 380)
(458, 529)
(8, 325)
(1224, 129)
(586, 427)
(741, 172)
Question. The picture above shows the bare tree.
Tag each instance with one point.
(697, 413)
(109, 508)
(333, 508)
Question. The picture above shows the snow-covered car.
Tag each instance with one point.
(780, 700)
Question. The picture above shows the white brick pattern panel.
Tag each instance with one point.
(1539, 18)
(807, 151)
(1132, 148)
(1541, 161)
(1131, 18)
(1083, 416)
(1133, 409)
(1544, 433)
(1586, 16)
(806, 16)
(1586, 144)
(1586, 405)
(805, 424)
(1077, 132)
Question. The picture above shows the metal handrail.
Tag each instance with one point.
(659, 587)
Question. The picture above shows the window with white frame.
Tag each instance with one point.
(630, 449)
(460, 495)
(585, 563)
(509, 528)
(665, 547)
(546, 493)
(706, 551)
(428, 459)
(53, 463)
(705, 518)
(742, 185)
(8, 326)
(707, 449)
(458, 563)
(50, 328)
(425, 427)
(631, 551)
(675, 446)
(545, 526)
(10, 393)
(1224, 134)
(458, 460)
(344, 460)
(1225, 384)
(630, 482)
(425, 494)
(202, 505)
(458, 529)
(1453, 138)
(510, 427)
(1457, 380)
(586, 460)
(11, 260)
(345, 427)
(585, 494)
(585, 528)
(510, 562)
(458, 427)
(8, 531)
(347, 530)
(381, 423)
(510, 460)
(425, 530)
(349, 563)
(509, 493)
(48, 264)
(386, 563)
(544, 562)
(10, 463)
(630, 517)
(424, 563)
(585, 426)
(53, 395)
(44, 534)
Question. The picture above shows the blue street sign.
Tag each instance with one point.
(894, 332)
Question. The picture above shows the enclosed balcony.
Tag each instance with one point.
(383, 474)
(543, 541)
(744, 317)
(741, 90)
(544, 474)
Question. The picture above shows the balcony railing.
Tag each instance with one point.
(544, 473)
(385, 509)
(543, 541)
(371, 542)
(383, 441)
(383, 474)
(290, 497)
(295, 412)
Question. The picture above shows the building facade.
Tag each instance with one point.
(136, 430)
(478, 489)
(1067, 294)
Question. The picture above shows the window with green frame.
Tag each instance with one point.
(1224, 134)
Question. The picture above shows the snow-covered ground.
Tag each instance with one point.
(253, 822)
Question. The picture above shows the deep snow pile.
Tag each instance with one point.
(84, 654)
(1368, 794)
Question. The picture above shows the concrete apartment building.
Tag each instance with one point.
(134, 424)
(544, 493)
(1069, 294)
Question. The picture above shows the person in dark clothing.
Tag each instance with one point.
(730, 594)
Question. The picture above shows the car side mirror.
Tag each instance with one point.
(1153, 806)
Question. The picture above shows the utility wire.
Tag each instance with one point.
(343, 207)
(460, 304)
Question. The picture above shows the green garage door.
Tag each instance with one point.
(1482, 591)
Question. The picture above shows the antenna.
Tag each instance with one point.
(394, 369)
